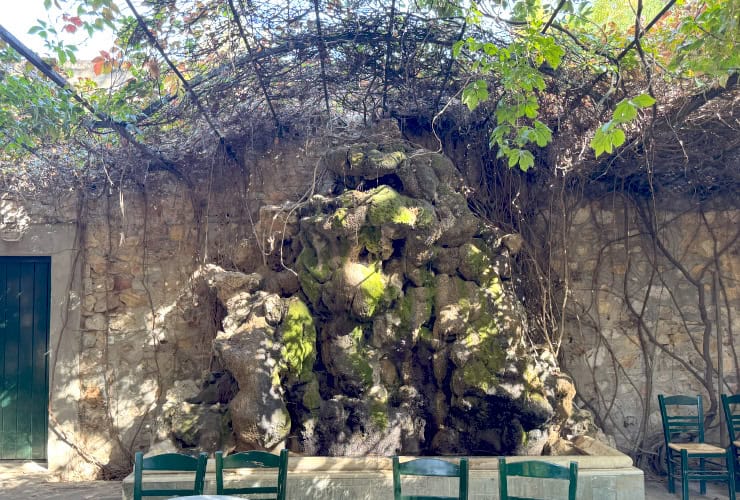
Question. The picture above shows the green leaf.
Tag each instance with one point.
(625, 111)
(553, 54)
(617, 137)
(643, 100)
(457, 48)
(542, 134)
(475, 93)
(526, 160)
(490, 49)
(514, 157)
(601, 142)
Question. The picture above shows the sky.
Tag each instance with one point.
(18, 16)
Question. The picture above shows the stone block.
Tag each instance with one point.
(96, 322)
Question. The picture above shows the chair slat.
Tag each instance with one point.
(253, 460)
(174, 462)
(536, 469)
(430, 467)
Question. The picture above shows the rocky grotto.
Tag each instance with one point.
(392, 326)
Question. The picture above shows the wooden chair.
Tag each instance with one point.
(535, 469)
(732, 418)
(254, 460)
(174, 462)
(430, 467)
(681, 456)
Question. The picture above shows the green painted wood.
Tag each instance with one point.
(25, 362)
(40, 368)
(4, 395)
(24, 333)
(430, 467)
(683, 464)
(254, 460)
(731, 407)
(168, 462)
(10, 392)
(536, 469)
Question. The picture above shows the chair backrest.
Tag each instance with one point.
(732, 418)
(175, 462)
(430, 467)
(691, 423)
(536, 469)
(254, 460)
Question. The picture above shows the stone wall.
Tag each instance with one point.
(130, 333)
(645, 309)
(132, 326)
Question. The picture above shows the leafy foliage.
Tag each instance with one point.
(516, 64)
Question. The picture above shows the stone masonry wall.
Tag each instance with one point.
(136, 336)
(643, 312)
(129, 333)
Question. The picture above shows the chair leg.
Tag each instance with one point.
(731, 479)
(702, 484)
(684, 475)
(669, 467)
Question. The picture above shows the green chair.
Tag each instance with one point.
(430, 467)
(174, 462)
(254, 460)
(733, 428)
(683, 420)
(535, 469)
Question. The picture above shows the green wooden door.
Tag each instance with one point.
(24, 338)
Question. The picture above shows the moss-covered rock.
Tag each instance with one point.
(387, 206)
(348, 356)
(404, 287)
(358, 356)
(311, 396)
(299, 341)
(415, 310)
(476, 263)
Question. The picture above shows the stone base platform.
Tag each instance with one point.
(603, 477)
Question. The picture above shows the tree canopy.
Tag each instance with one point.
(564, 85)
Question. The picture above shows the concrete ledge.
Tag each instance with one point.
(603, 477)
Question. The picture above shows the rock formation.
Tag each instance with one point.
(405, 334)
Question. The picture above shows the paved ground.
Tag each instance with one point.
(19, 481)
(656, 489)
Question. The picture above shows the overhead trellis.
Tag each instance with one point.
(188, 69)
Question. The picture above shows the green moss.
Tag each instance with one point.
(387, 206)
(374, 291)
(477, 374)
(356, 158)
(311, 396)
(425, 334)
(421, 276)
(530, 376)
(477, 263)
(537, 398)
(370, 238)
(308, 259)
(406, 309)
(359, 358)
(338, 219)
(379, 414)
(386, 161)
(299, 341)
(310, 287)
